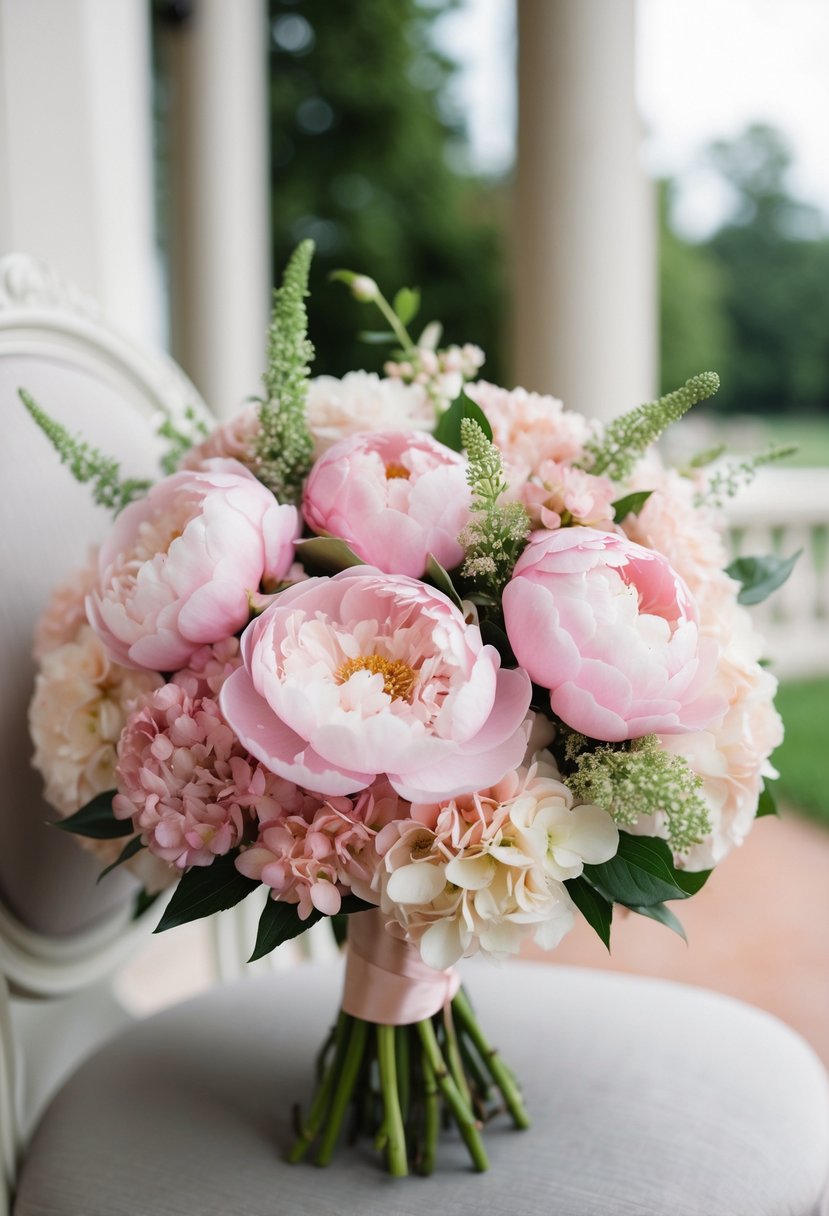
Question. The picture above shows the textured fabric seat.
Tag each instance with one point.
(648, 1099)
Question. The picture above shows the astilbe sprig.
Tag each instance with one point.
(181, 438)
(731, 477)
(641, 778)
(283, 449)
(86, 463)
(497, 532)
(627, 438)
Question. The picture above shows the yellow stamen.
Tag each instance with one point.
(398, 677)
(396, 470)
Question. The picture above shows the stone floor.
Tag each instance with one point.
(759, 931)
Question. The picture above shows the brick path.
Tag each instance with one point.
(759, 930)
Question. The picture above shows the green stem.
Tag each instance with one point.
(392, 1118)
(343, 1091)
(403, 1065)
(501, 1075)
(397, 326)
(431, 1118)
(480, 1083)
(453, 1056)
(323, 1095)
(464, 1117)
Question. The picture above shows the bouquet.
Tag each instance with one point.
(444, 663)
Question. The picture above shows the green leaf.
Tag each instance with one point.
(494, 635)
(440, 578)
(596, 910)
(663, 914)
(328, 554)
(760, 575)
(767, 804)
(406, 304)
(642, 874)
(96, 820)
(129, 850)
(143, 902)
(204, 890)
(376, 337)
(631, 504)
(280, 923)
(448, 429)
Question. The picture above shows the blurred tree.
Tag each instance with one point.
(694, 329)
(766, 275)
(369, 160)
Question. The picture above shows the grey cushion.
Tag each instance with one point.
(648, 1098)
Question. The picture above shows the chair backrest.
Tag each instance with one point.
(58, 931)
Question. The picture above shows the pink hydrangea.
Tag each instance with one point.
(612, 631)
(394, 497)
(366, 673)
(178, 567)
(65, 614)
(186, 782)
(233, 440)
(208, 668)
(530, 428)
(311, 859)
(558, 493)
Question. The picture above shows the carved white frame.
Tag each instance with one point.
(42, 315)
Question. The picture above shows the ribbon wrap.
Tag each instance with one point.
(386, 980)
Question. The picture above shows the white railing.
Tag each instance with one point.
(782, 511)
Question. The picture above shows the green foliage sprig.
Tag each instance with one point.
(179, 439)
(496, 534)
(284, 446)
(642, 779)
(87, 464)
(725, 482)
(627, 438)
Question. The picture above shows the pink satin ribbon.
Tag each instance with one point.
(386, 980)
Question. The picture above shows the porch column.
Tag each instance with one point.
(584, 253)
(219, 239)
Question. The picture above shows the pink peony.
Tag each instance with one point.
(367, 673)
(233, 440)
(178, 566)
(611, 630)
(394, 497)
(558, 493)
(186, 782)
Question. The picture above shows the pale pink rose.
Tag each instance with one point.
(482, 871)
(363, 401)
(529, 428)
(233, 440)
(367, 673)
(394, 497)
(559, 492)
(311, 859)
(65, 613)
(80, 704)
(178, 567)
(186, 782)
(612, 631)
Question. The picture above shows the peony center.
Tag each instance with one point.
(398, 677)
(394, 470)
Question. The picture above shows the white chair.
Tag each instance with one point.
(649, 1099)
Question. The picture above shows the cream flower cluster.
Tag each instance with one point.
(481, 872)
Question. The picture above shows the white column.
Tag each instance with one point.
(76, 150)
(584, 287)
(220, 226)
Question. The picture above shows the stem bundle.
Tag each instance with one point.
(401, 1082)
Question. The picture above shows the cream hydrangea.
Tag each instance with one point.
(480, 872)
(364, 401)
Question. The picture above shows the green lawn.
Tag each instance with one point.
(803, 758)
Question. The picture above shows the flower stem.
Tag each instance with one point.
(403, 1065)
(452, 1095)
(431, 1118)
(501, 1075)
(322, 1097)
(393, 1120)
(343, 1090)
(453, 1056)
